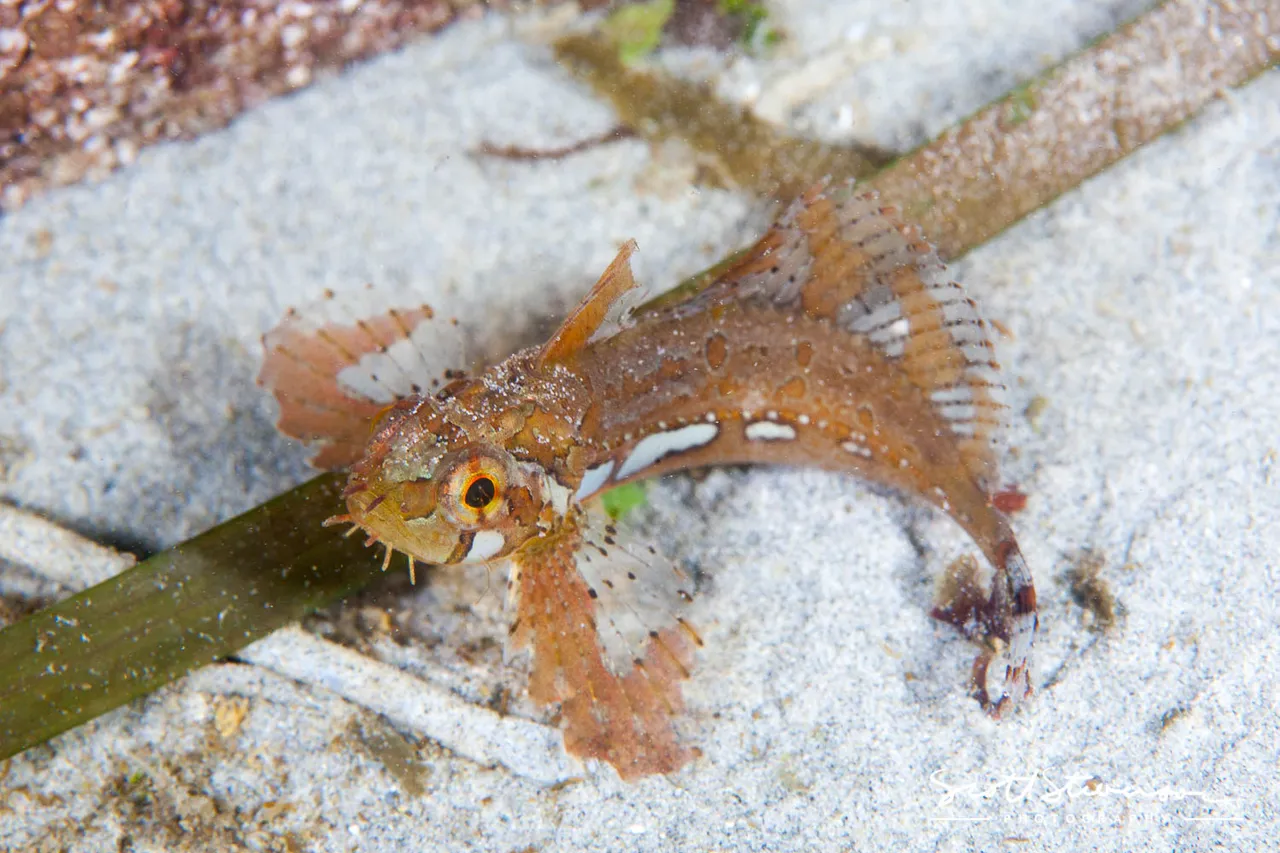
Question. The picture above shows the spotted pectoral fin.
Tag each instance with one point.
(604, 309)
(603, 619)
(335, 365)
(840, 255)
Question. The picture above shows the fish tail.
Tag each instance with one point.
(1002, 671)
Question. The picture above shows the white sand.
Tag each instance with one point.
(1145, 310)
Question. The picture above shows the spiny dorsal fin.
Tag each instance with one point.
(594, 311)
(840, 255)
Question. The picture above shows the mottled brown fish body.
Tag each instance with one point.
(776, 389)
(836, 342)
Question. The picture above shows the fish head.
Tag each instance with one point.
(456, 477)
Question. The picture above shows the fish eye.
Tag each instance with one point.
(476, 489)
(480, 492)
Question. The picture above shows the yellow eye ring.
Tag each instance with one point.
(476, 488)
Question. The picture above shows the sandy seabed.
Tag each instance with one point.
(1144, 319)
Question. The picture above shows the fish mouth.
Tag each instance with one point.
(375, 511)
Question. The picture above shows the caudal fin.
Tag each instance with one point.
(1003, 622)
(1002, 673)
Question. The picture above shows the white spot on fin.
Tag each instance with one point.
(486, 545)
(662, 444)
(768, 431)
(386, 376)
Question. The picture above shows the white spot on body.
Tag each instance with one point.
(593, 480)
(856, 449)
(559, 495)
(485, 546)
(652, 448)
(769, 431)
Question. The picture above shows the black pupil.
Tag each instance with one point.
(479, 493)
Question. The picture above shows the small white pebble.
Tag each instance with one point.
(844, 118)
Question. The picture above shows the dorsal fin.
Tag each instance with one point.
(840, 255)
(594, 311)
